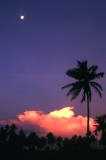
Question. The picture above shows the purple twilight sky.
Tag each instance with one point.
(36, 52)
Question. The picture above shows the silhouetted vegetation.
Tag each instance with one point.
(101, 127)
(84, 77)
(15, 144)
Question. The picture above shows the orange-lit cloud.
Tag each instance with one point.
(61, 122)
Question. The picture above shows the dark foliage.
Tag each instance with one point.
(14, 144)
(101, 127)
(84, 81)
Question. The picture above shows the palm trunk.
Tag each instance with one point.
(88, 118)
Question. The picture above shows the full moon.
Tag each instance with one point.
(22, 17)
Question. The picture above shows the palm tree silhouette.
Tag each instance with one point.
(101, 127)
(84, 77)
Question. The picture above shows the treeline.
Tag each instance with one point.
(13, 139)
(15, 144)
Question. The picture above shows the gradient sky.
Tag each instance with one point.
(36, 52)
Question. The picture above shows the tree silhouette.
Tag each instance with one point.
(73, 142)
(13, 146)
(42, 143)
(101, 127)
(4, 137)
(21, 139)
(81, 143)
(59, 140)
(66, 143)
(84, 77)
(51, 139)
(12, 136)
(32, 141)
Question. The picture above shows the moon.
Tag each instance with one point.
(22, 17)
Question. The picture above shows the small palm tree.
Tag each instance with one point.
(101, 127)
(84, 77)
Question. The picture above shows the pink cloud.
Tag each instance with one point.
(61, 122)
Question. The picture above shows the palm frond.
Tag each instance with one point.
(76, 93)
(70, 92)
(68, 85)
(75, 89)
(97, 85)
(98, 128)
(99, 75)
(96, 89)
(76, 84)
(74, 73)
(93, 69)
(82, 64)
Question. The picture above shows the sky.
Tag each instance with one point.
(36, 52)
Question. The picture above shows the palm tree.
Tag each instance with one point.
(84, 77)
(101, 127)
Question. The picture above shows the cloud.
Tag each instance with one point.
(61, 122)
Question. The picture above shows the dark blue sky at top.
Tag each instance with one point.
(36, 52)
